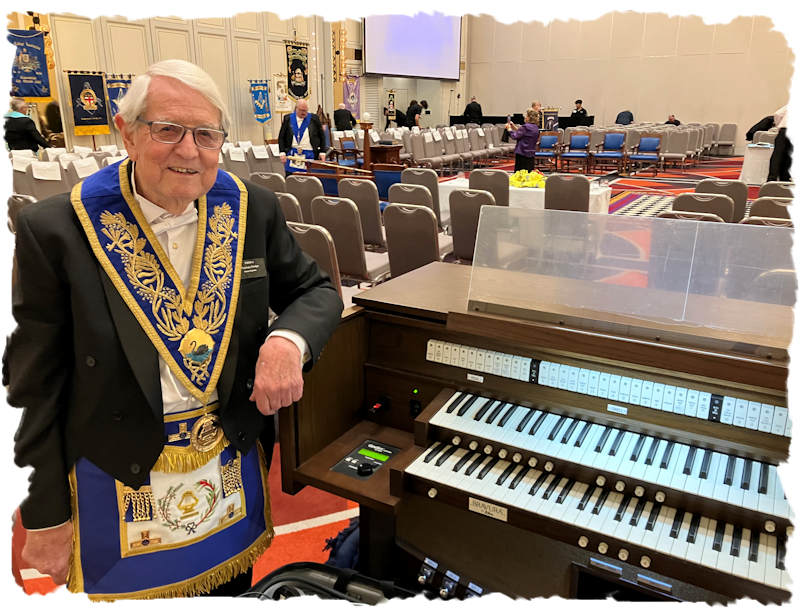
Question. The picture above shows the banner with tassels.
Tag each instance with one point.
(352, 94)
(259, 91)
(88, 100)
(29, 76)
(117, 85)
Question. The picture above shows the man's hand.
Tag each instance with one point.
(283, 157)
(278, 378)
(322, 156)
(48, 551)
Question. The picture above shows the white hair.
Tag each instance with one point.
(17, 103)
(134, 103)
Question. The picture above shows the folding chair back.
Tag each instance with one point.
(411, 237)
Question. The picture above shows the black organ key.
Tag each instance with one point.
(504, 475)
(475, 464)
(551, 488)
(617, 441)
(687, 466)
(460, 396)
(570, 429)
(565, 491)
(445, 455)
(728, 480)
(582, 435)
(488, 467)
(464, 460)
(755, 537)
(665, 459)
(763, 478)
(518, 478)
(715, 409)
(736, 540)
(603, 438)
(705, 464)
(623, 506)
(538, 483)
(676, 523)
(718, 534)
(433, 452)
(585, 498)
(746, 472)
(637, 449)
(559, 423)
(651, 520)
(495, 413)
(525, 419)
(507, 415)
(651, 454)
(466, 405)
(637, 513)
(538, 423)
(600, 501)
(780, 556)
(694, 525)
(482, 411)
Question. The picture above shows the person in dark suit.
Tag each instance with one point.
(473, 112)
(20, 130)
(148, 407)
(413, 114)
(343, 118)
(672, 121)
(579, 114)
(301, 134)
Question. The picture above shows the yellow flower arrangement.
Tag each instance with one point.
(523, 178)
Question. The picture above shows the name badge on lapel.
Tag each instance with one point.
(254, 268)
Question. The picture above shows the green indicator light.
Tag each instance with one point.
(415, 391)
(375, 455)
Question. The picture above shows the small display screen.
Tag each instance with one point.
(371, 454)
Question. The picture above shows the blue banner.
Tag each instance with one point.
(88, 100)
(117, 86)
(29, 78)
(259, 90)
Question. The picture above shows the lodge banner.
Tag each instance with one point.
(117, 86)
(390, 105)
(297, 64)
(29, 78)
(259, 91)
(549, 119)
(87, 96)
(352, 94)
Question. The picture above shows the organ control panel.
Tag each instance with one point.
(647, 465)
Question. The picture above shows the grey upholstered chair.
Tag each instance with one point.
(493, 181)
(364, 194)
(566, 192)
(290, 207)
(411, 237)
(735, 189)
(712, 203)
(465, 211)
(317, 243)
(304, 188)
(771, 207)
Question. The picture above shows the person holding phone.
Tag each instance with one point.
(527, 136)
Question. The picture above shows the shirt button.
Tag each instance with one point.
(242, 436)
(90, 362)
(135, 468)
(175, 246)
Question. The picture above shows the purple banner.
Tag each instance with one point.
(352, 94)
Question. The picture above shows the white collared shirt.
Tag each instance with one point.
(177, 235)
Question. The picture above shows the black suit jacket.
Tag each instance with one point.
(343, 119)
(315, 135)
(88, 377)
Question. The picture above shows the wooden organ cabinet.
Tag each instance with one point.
(562, 456)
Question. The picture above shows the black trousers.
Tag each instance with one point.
(523, 163)
(781, 159)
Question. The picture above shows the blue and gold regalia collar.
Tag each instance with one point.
(189, 326)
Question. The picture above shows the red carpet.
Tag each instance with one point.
(302, 523)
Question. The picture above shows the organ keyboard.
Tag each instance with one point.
(648, 464)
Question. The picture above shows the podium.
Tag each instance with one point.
(378, 153)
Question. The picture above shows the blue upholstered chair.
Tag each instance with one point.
(577, 150)
(547, 149)
(646, 152)
(610, 152)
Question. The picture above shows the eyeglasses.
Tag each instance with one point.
(172, 133)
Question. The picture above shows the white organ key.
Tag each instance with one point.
(692, 398)
(678, 480)
(608, 524)
(757, 570)
(602, 386)
(625, 390)
(623, 526)
(506, 366)
(463, 356)
(735, 492)
(679, 543)
(583, 381)
(535, 500)
(787, 432)
(680, 400)
(488, 361)
(447, 353)
(728, 409)
(651, 537)
(594, 382)
(638, 531)
(572, 379)
(636, 391)
(472, 355)
(740, 413)
(694, 551)
(772, 575)
(507, 493)
(781, 504)
(613, 387)
(525, 369)
(549, 507)
(555, 372)
(497, 365)
(766, 502)
(707, 485)
(658, 396)
(741, 564)
(779, 420)
(515, 365)
(693, 481)
(570, 504)
(765, 417)
(584, 516)
(725, 560)
(664, 543)
(615, 463)
(703, 405)
(647, 393)
(437, 352)
(431, 350)
(710, 555)
(719, 490)
(563, 377)
(520, 497)
(753, 413)
(480, 358)
(668, 402)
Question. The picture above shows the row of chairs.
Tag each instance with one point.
(726, 201)
(41, 179)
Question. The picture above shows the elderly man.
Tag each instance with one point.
(301, 135)
(473, 112)
(143, 360)
(343, 118)
(20, 130)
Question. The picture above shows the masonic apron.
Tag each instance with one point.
(301, 143)
(203, 515)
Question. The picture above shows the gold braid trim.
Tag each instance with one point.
(183, 460)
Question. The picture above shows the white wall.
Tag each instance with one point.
(650, 64)
(232, 50)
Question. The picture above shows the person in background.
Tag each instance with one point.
(54, 133)
(473, 112)
(325, 121)
(537, 108)
(20, 130)
(625, 117)
(781, 160)
(526, 136)
(343, 118)
(579, 114)
(301, 134)
(413, 113)
(672, 121)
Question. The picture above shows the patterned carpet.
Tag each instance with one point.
(631, 203)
